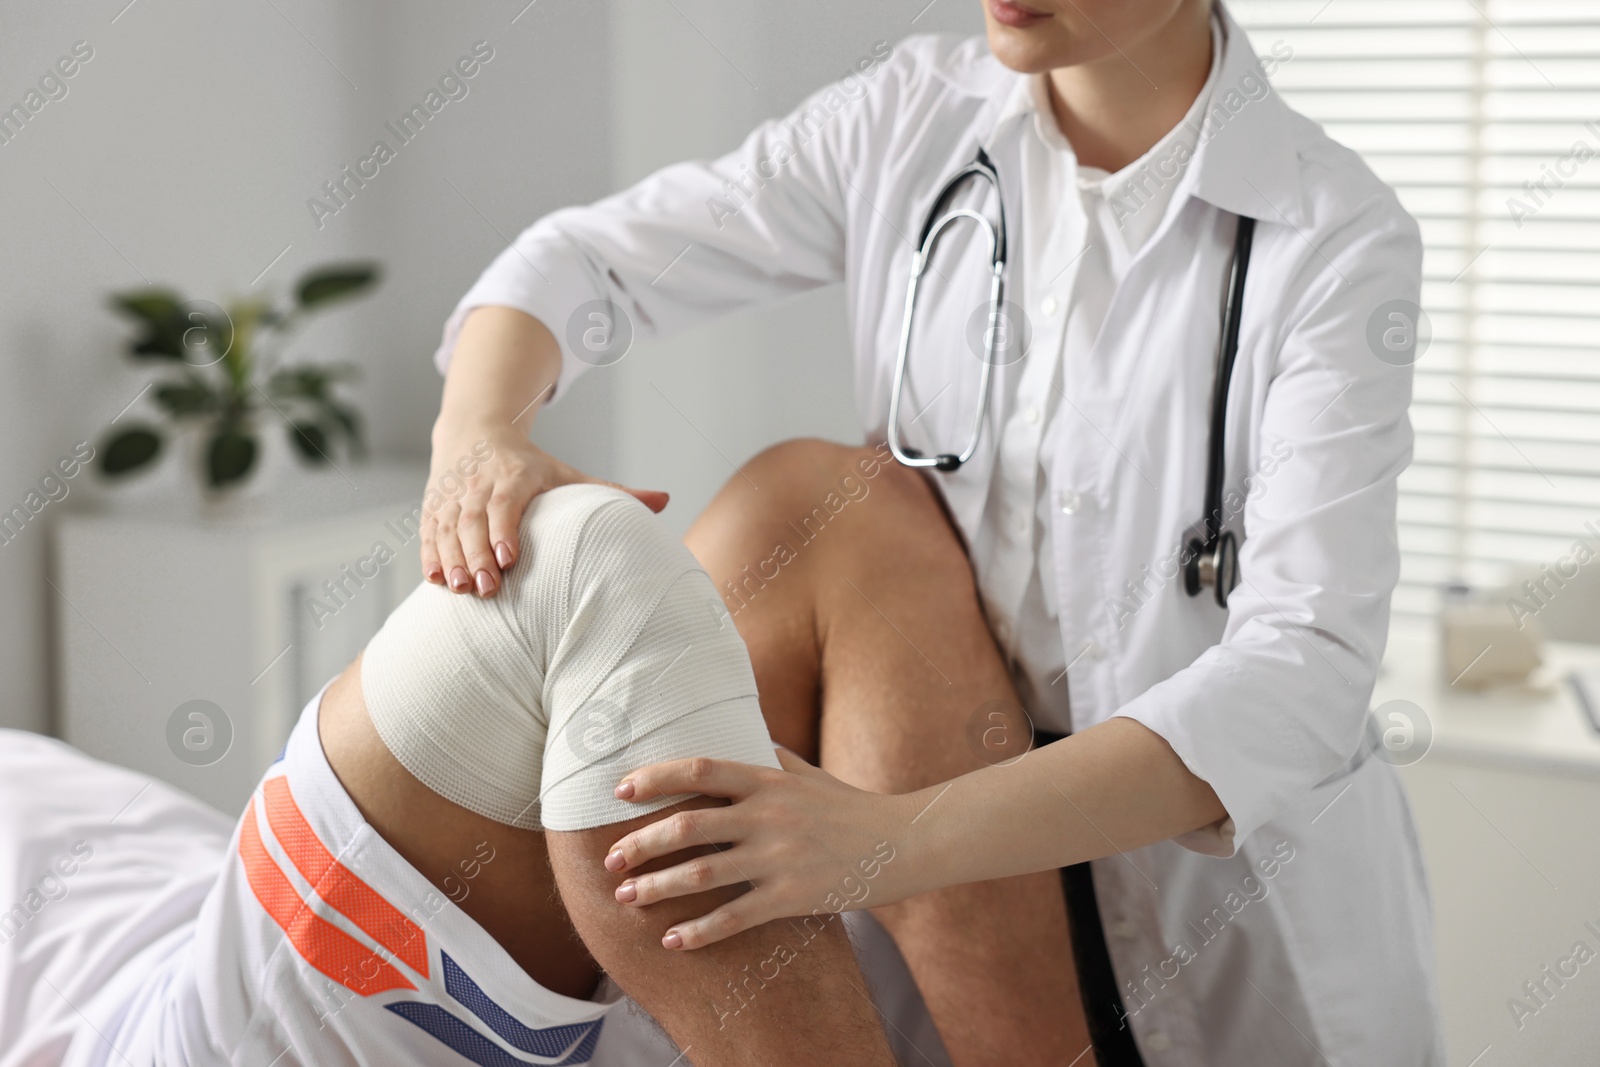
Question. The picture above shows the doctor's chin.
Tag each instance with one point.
(632, 534)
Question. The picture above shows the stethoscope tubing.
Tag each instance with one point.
(1212, 556)
(933, 225)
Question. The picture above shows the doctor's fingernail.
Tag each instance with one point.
(485, 583)
(434, 573)
(624, 790)
(627, 892)
(672, 940)
(502, 554)
(459, 580)
(616, 861)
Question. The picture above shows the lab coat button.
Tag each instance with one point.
(1070, 501)
(1158, 1042)
(1048, 305)
(1124, 929)
(1032, 415)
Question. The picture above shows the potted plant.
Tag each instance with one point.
(223, 382)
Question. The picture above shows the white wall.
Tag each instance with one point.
(691, 79)
(532, 134)
(177, 156)
(184, 153)
(186, 149)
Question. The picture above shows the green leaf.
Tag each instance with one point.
(332, 283)
(346, 416)
(159, 345)
(161, 317)
(129, 450)
(311, 440)
(311, 382)
(160, 341)
(348, 420)
(172, 329)
(185, 398)
(297, 383)
(230, 456)
(150, 305)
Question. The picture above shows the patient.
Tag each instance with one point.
(419, 878)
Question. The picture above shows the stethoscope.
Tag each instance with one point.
(1211, 554)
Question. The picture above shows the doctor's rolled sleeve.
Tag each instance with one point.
(1279, 705)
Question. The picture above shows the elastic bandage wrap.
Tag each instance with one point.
(606, 649)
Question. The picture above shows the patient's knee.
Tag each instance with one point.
(605, 650)
(808, 470)
(819, 499)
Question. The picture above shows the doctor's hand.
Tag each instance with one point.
(806, 842)
(484, 470)
(480, 481)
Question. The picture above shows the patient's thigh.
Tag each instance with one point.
(781, 993)
(513, 897)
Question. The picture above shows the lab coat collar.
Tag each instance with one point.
(1246, 161)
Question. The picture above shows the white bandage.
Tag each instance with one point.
(607, 649)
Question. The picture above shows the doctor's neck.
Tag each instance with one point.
(1122, 72)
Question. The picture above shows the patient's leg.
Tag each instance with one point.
(745, 1001)
(511, 720)
(514, 897)
(873, 658)
(785, 993)
(765, 997)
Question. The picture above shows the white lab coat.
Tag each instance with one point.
(1299, 930)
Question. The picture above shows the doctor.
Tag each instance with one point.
(1259, 886)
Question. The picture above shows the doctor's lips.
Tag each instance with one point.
(1015, 15)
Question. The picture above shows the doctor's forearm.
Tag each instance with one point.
(1114, 787)
(503, 361)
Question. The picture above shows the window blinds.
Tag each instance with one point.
(1485, 117)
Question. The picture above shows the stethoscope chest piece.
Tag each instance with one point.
(1215, 565)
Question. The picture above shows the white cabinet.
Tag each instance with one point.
(162, 604)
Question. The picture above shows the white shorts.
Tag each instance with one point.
(303, 939)
(319, 944)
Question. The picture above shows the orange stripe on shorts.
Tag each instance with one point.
(338, 885)
(319, 942)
